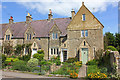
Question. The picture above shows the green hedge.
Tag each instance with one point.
(20, 65)
(112, 48)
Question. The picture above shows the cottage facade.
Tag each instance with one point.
(77, 36)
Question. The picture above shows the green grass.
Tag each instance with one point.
(92, 69)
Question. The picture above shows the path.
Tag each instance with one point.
(82, 71)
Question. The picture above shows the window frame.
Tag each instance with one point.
(83, 17)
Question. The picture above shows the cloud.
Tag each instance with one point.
(63, 7)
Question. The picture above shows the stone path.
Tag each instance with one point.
(82, 71)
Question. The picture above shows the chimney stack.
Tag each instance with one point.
(50, 15)
(11, 20)
(82, 3)
(28, 18)
(73, 13)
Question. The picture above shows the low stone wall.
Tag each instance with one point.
(115, 58)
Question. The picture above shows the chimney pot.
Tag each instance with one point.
(73, 13)
(82, 3)
(11, 20)
(50, 15)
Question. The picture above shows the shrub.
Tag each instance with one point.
(97, 75)
(103, 70)
(25, 57)
(92, 62)
(58, 62)
(32, 62)
(92, 69)
(20, 65)
(73, 75)
(40, 51)
(112, 48)
(3, 58)
(38, 56)
(72, 60)
(36, 69)
(78, 63)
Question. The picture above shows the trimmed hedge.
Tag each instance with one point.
(112, 48)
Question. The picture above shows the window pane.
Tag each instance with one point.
(53, 35)
(56, 35)
(83, 17)
(86, 33)
(54, 50)
(51, 51)
(27, 36)
(6, 37)
(30, 36)
(82, 33)
(57, 51)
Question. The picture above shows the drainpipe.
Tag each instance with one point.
(48, 47)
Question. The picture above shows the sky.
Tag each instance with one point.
(106, 11)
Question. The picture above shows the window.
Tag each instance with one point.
(56, 35)
(84, 43)
(51, 51)
(27, 36)
(7, 37)
(83, 17)
(57, 51)
(86, 33)
(53, 35)
(54, 50)
(30, 36)
(82, 33)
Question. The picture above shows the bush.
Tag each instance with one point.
(58, 62)
(112, 48)
(78, 63)
(3, 58)
(97, 75)
(103, 70)
(33, 62)
(20, 65)
(38, 56)
(73, 75)
(72, 60)
(36, 69)
(92, 62)
(25, 57)
(92, 69)
(40, 51)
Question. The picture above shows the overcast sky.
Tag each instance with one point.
(105, 10)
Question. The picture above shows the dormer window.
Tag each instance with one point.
(7, 37)
(83, 17)
(29, 36)
(54, 35)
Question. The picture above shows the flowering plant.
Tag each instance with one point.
(97, 75)
(73, 75)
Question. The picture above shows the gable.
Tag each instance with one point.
(91, 22)
(54, 28)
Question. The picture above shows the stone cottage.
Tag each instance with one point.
(79, 35)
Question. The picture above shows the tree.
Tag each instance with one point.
(19, 49)
(8, 48)
(109, 40)
(117, 41)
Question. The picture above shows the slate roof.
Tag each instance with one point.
(40, 27)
